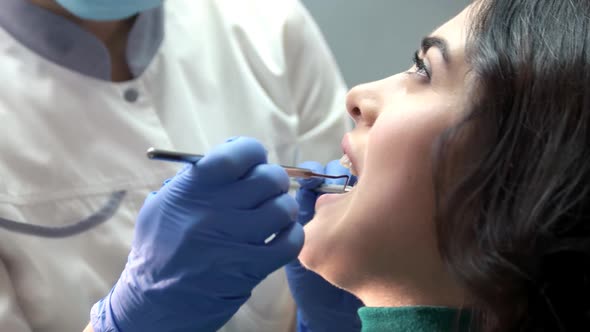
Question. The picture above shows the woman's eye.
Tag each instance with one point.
(421, 68)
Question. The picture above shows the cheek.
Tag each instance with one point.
(397, 177)
(405, 133)
(398, 160)
(399, 148)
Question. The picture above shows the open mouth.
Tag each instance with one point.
(347, 163)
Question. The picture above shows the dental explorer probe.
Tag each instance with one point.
(294, 172)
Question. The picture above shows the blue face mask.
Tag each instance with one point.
(107, 10)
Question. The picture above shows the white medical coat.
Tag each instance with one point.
(225, 68)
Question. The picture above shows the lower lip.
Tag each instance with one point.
(328, 198)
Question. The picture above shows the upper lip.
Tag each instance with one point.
(347, 150)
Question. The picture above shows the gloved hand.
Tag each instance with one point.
(199, 244)
(321, 306)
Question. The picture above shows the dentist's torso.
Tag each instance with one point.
(70, 141)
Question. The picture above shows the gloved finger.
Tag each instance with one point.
(228, 162)
(335, 168)
(306, 199)
(153, 194)
(305, 196)
(284, 248)
(256, 225)
(167, 181)
(184, 169)
(314, 182)
(262, 183)
(149, 197)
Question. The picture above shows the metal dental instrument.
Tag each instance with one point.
(294, 172)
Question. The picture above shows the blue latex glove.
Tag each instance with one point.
(321, 306)
(199, 245)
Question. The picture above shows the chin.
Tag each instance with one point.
(323, 254)
(318, 265)
(313, 252)
(335, 274)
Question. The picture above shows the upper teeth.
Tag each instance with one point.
(345, 161)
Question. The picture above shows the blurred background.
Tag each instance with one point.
(372, 39)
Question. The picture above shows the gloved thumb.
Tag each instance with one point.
(335, 168)
(311, 183)
(306, 196)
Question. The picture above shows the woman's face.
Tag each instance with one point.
(383, 231)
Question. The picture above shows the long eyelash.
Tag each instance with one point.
(419, 63)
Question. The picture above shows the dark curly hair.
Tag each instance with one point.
(513, 225)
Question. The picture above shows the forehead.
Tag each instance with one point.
(455, 33)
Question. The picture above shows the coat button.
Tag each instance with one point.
(131, 95)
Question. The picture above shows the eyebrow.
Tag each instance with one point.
(441, 44)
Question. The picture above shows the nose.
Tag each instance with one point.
(363, 103)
